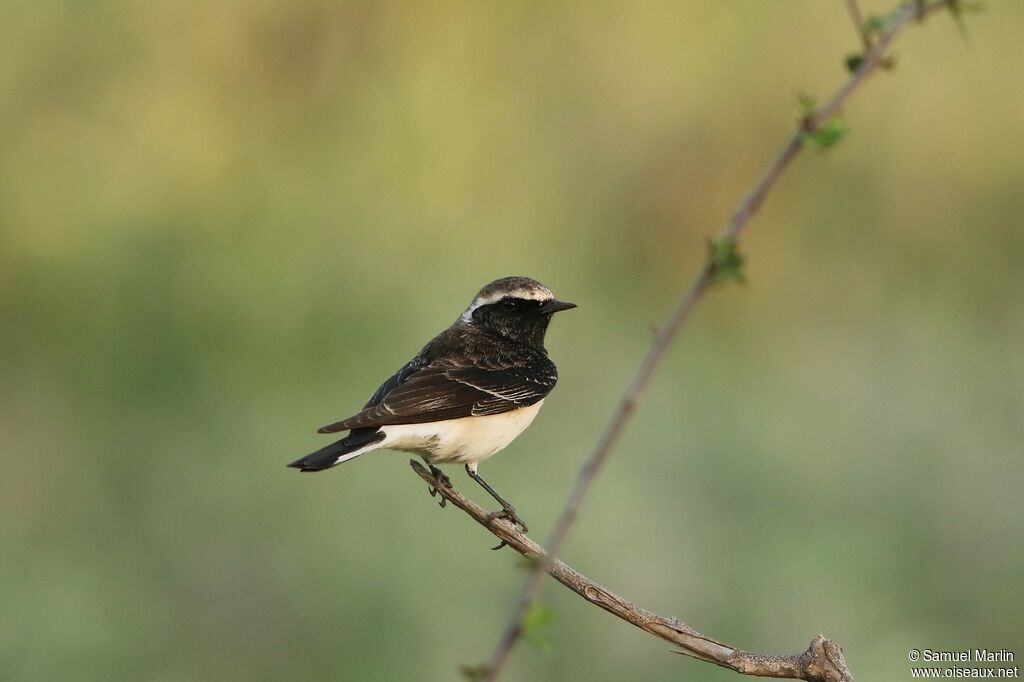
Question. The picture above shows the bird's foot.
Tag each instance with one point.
(509, 514)
(440, 481)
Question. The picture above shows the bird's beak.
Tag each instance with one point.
(554, 306)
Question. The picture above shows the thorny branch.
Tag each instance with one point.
(874, 57)
(858, 23)
(822, 661)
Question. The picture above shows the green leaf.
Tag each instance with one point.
(958, 8)
(473, 673)
(825, 135)
(725, 260)
(830, 132)
(536, 623)
(874, 24)
(805, 106)
(853, 61)
(958, 17)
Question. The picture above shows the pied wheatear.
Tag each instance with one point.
(467, 395)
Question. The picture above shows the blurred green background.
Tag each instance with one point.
(223, 224)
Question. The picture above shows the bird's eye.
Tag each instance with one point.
(510, 304)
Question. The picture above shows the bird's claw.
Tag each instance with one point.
(443, 502)
(440, 480)
(509, 514)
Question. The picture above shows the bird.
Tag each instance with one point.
(466, 395)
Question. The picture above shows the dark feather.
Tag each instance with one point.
(463, 372)
(326, 457)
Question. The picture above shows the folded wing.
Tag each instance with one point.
(430, 394)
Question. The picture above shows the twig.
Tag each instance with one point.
(748, 206)
(858, 22)
(823, 660)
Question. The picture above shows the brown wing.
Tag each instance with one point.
(439, 393)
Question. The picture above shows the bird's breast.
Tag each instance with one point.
(465, 440)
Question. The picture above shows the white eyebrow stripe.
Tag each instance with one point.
(531, 294)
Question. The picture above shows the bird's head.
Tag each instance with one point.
(518, 308)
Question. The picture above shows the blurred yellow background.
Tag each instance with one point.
(223, 224)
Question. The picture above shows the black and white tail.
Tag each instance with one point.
(349, 447)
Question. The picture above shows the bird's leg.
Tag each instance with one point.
(440, 480)
(507, 510)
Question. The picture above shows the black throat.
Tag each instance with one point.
(527, 324)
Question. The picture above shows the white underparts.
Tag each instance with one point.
(464, 441)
